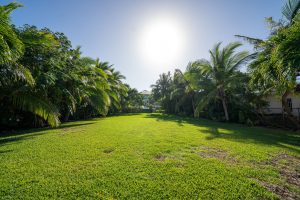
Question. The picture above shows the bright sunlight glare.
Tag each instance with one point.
(162, 41)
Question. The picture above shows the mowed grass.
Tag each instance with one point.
(149, 156)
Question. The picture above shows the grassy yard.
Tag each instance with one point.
(150, 156)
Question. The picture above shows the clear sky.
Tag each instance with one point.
(144, 38)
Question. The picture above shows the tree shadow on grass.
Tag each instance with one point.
(237, 132)
(126, 114)
(10, 137)
(166, 117)
(5, 151)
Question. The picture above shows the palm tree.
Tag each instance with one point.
(11, 47)
(277, 65)
(16, 81)
(220, 72)
(162, 89)
(184, 89)
(117, 89)
(94, 86)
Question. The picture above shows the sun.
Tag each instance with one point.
(162, 41)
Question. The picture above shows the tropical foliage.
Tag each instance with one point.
(213, 89)
(44, 80)
(217, 89)
(277, 65)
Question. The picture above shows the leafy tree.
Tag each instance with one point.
(221, 73)
(132, 102)
(184, 92)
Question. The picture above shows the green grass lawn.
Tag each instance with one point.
(150, 156)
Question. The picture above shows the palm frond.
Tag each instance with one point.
(230, 48)
(13, 73)
(203, 65)
(204, 100)
(214, 53)
(100, 101)
(26, 101)
(11, 47)
(291, 9)
(254, 41)
(239, 59)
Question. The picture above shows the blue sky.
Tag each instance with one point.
(111, 29)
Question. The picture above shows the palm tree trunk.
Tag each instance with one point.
(223, 99)
(193, 105)
(225, 109)
(194, 109)
(287, 110)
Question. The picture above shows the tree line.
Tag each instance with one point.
(45, 81)
(218, 90)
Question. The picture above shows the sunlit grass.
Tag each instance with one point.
(145, 156)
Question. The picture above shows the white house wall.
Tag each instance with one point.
(275, 105)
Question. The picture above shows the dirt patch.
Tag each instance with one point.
(289, 170)
(288, 166)
(70, 130)
(160, 157)
(220, 154)
(282, 191)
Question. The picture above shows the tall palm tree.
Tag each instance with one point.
(220, 72)
(184, 89)
(94, 86)
(116, 89)
(162, 89)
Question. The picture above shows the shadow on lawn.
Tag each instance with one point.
(237, 132)
(6, 138)
(125, 114)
